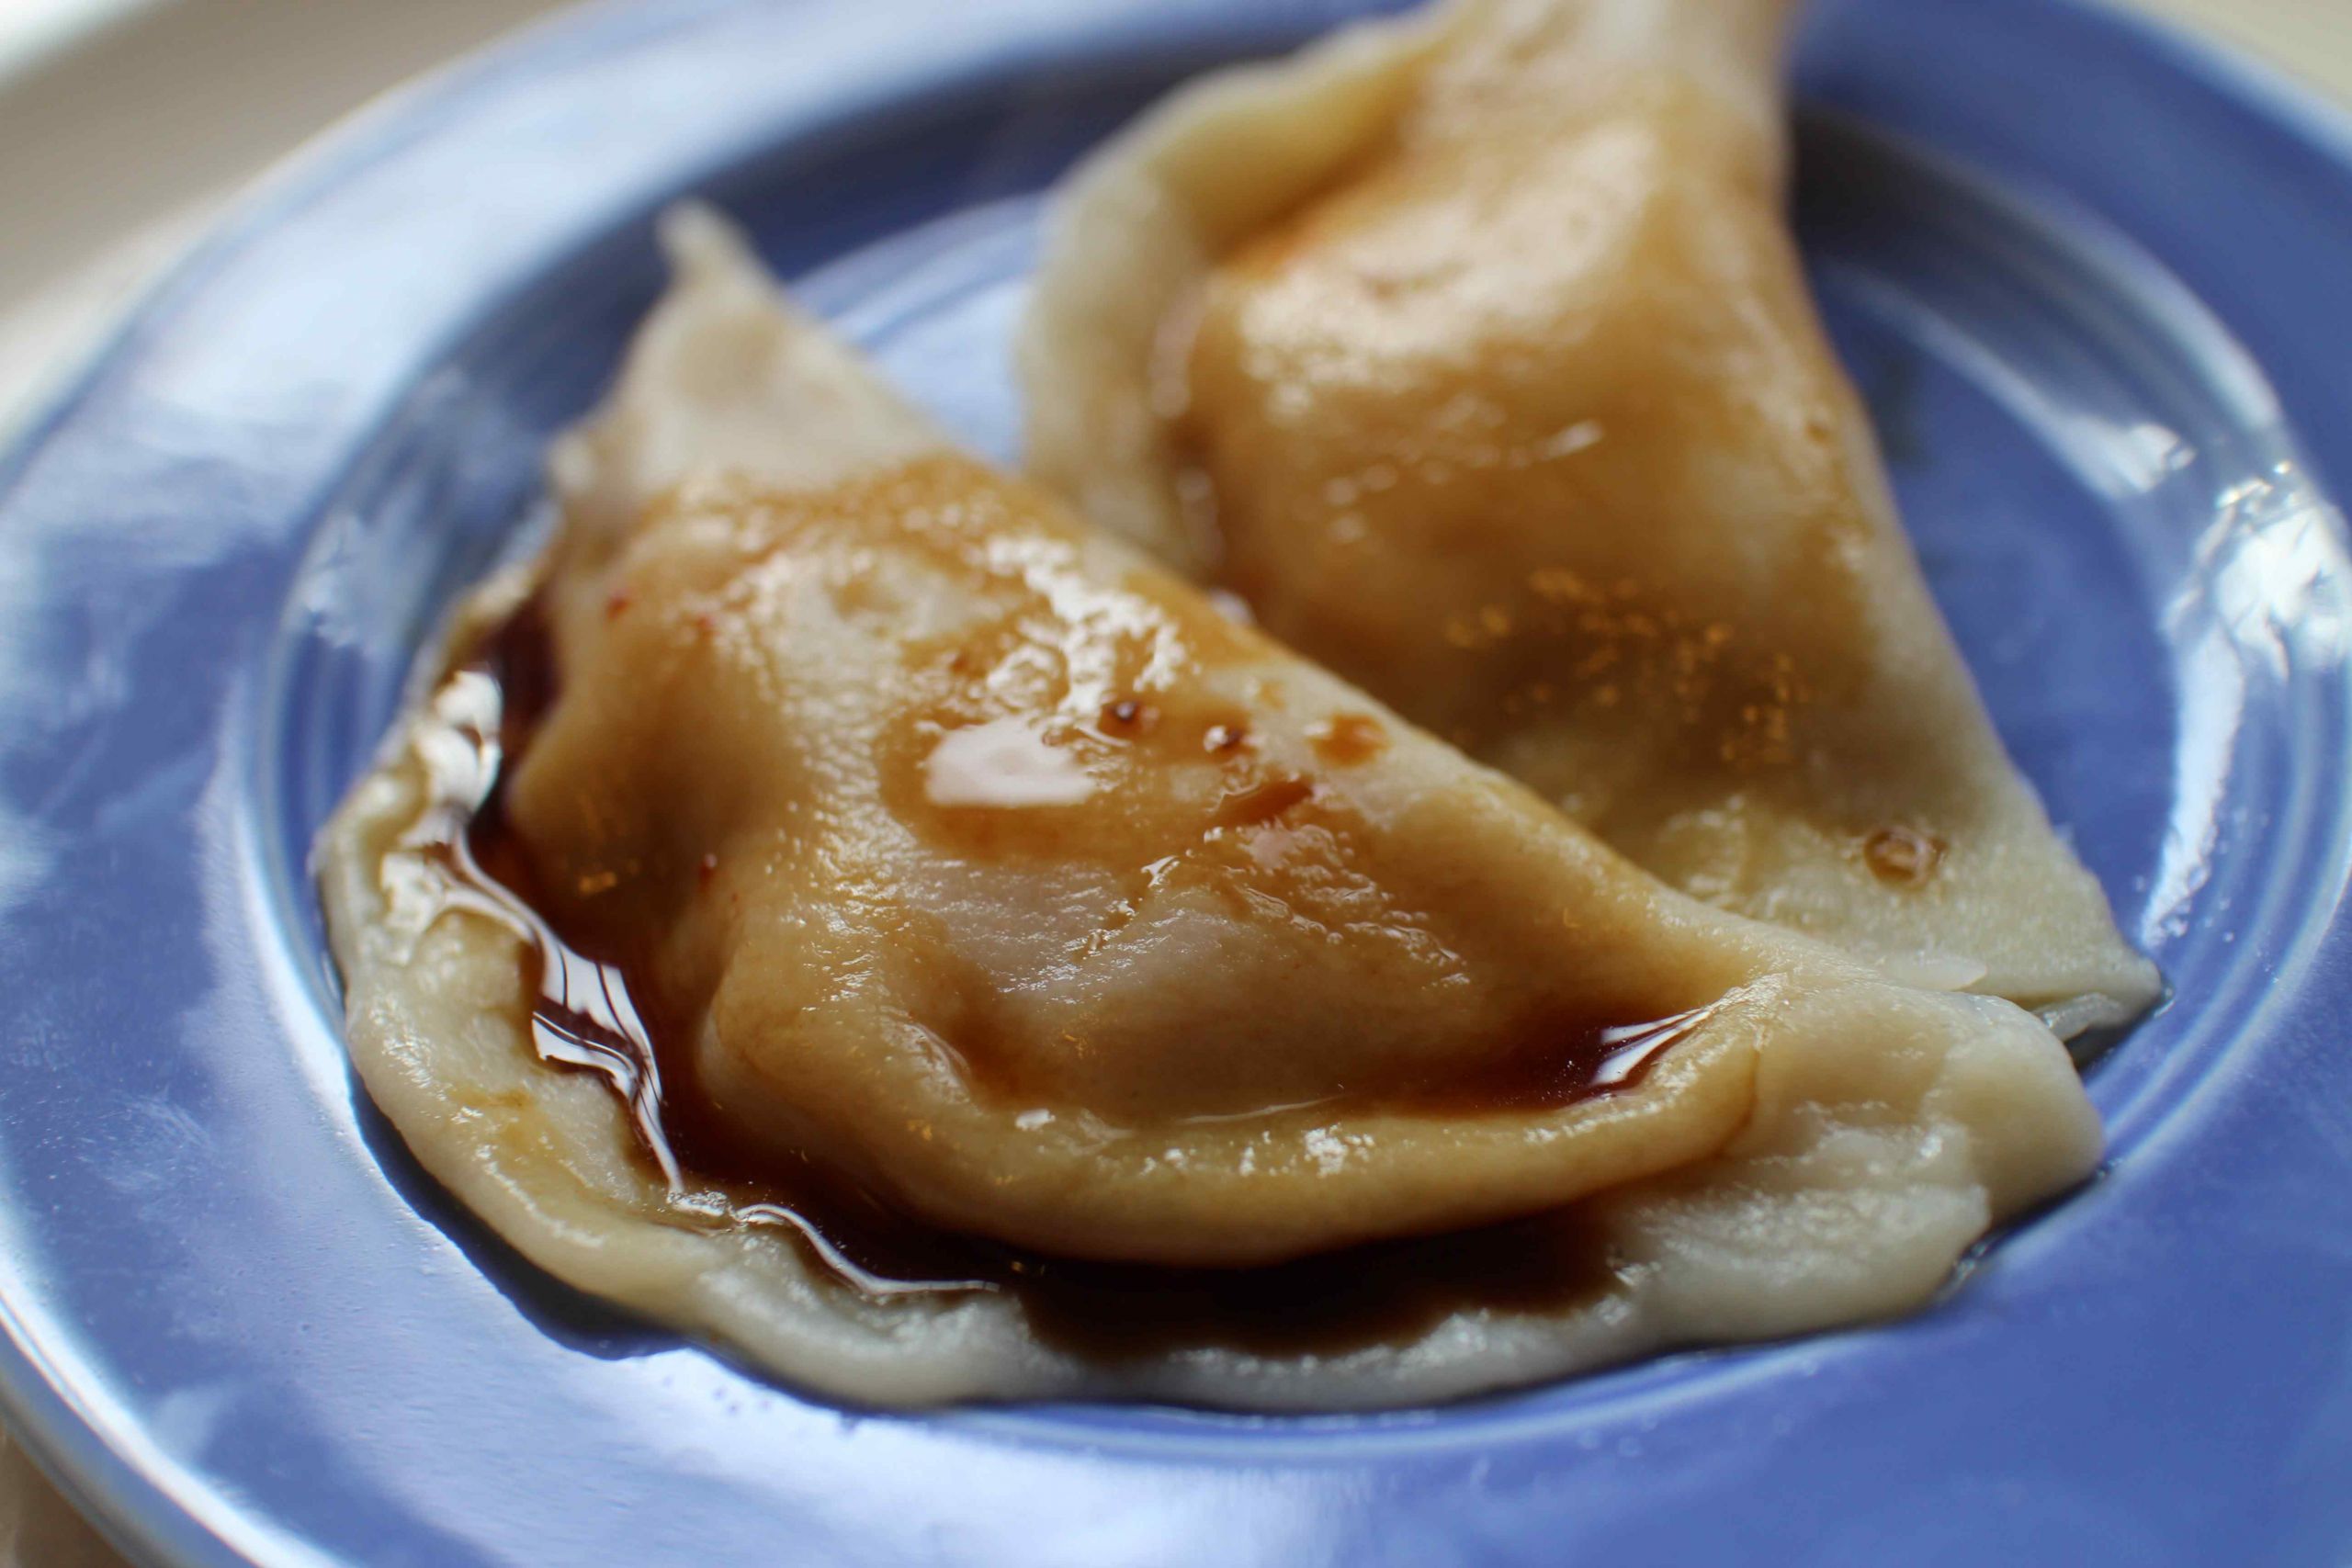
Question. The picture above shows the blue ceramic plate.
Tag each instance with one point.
(2096, 285)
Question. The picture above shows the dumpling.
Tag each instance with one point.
(1473, 353)
(1004, 974)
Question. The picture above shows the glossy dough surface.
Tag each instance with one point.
(992, 869)
(1474, 353)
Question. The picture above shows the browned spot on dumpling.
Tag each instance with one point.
(1125, 718)
(1350, 738)
(1903, 857)
(1225, 740)
(1265, 802)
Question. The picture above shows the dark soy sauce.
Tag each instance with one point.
(600, 1009)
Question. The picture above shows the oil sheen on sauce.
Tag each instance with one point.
(601, 1010)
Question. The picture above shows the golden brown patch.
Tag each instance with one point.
(1349, 739)
(1903, 857)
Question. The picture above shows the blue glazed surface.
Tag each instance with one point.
(2093, 283)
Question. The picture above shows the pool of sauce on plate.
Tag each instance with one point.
(600, 1009)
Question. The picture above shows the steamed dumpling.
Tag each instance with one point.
(1473, 352)
(988, 871)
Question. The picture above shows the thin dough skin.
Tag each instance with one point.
(769, 643)
(1473, 352)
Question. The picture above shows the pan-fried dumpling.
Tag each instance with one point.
(1473, 353)
(959, 873)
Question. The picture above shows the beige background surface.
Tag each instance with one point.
(116, 140)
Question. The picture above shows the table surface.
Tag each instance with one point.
(225, 87)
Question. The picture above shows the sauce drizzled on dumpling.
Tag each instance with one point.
(1220, 825)
(602, 1009)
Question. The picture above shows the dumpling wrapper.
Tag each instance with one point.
(1474, 353)
(839, 738)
